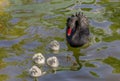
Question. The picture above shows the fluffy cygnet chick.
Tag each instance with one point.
(39, 59)
(54, 45)
(53, 62)
(34, 71)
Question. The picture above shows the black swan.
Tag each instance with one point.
(77, 31)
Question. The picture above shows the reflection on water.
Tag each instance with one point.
(28, 26)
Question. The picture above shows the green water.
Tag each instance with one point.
(28, 26)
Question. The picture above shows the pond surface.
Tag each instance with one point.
(28, 26)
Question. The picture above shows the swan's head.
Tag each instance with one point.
(54, 45)
(71, 23)
(39, 59)
(53, 62)
(34, 71)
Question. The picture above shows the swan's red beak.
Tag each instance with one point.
(69, 31)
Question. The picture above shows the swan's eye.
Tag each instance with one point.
(68, 19)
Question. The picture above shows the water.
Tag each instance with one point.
(28, 26)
